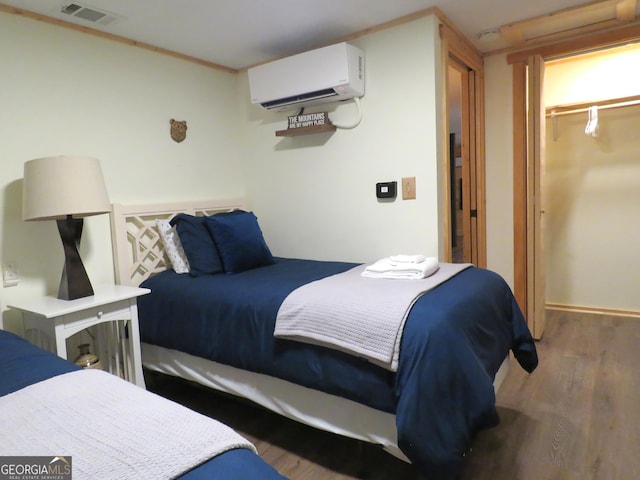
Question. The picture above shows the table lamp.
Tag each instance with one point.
(66, 189)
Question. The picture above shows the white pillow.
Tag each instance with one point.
(172, 246)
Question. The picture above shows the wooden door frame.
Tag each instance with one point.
(518, 60)
(455, 46)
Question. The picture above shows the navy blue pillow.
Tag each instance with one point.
(239, 240)
(198, 245)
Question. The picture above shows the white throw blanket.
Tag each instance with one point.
(361, 316)
(411, 267)
(110, 428)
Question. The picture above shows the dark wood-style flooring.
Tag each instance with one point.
(577, 417)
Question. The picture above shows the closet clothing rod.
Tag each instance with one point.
(584, 107)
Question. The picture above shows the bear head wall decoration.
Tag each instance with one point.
(178, 130)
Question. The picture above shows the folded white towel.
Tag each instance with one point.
(407, 258)
(386, 268)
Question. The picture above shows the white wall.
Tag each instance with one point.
(64, 92)
(315, 194)
(611, 73)
(593, 228)
(499, 165)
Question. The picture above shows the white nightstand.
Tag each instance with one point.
(113, 309)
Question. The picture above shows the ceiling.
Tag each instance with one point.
(241, 33)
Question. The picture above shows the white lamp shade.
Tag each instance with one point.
(55, 187)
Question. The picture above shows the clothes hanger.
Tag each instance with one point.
(592, 124)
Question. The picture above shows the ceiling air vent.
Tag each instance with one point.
(89, 14)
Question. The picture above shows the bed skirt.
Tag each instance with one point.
(310, 407)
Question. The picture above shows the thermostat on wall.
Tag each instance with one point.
(386, 189)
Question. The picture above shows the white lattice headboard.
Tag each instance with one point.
(137, 249)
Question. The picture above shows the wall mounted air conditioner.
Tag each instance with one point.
(328, 74)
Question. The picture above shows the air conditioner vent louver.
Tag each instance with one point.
(89, 14)
(297, 99)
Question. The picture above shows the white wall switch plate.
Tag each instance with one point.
(408, 188)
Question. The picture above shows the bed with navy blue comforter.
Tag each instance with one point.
(455, 338)
(23, 364)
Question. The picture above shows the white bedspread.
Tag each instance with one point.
(111, 428)
(358, 315)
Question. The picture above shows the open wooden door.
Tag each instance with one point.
(463, 196)
(535, 199)
(468, 65)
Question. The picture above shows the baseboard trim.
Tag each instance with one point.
(596, 310)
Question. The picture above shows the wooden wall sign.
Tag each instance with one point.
(309, 120)
(307, 123)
